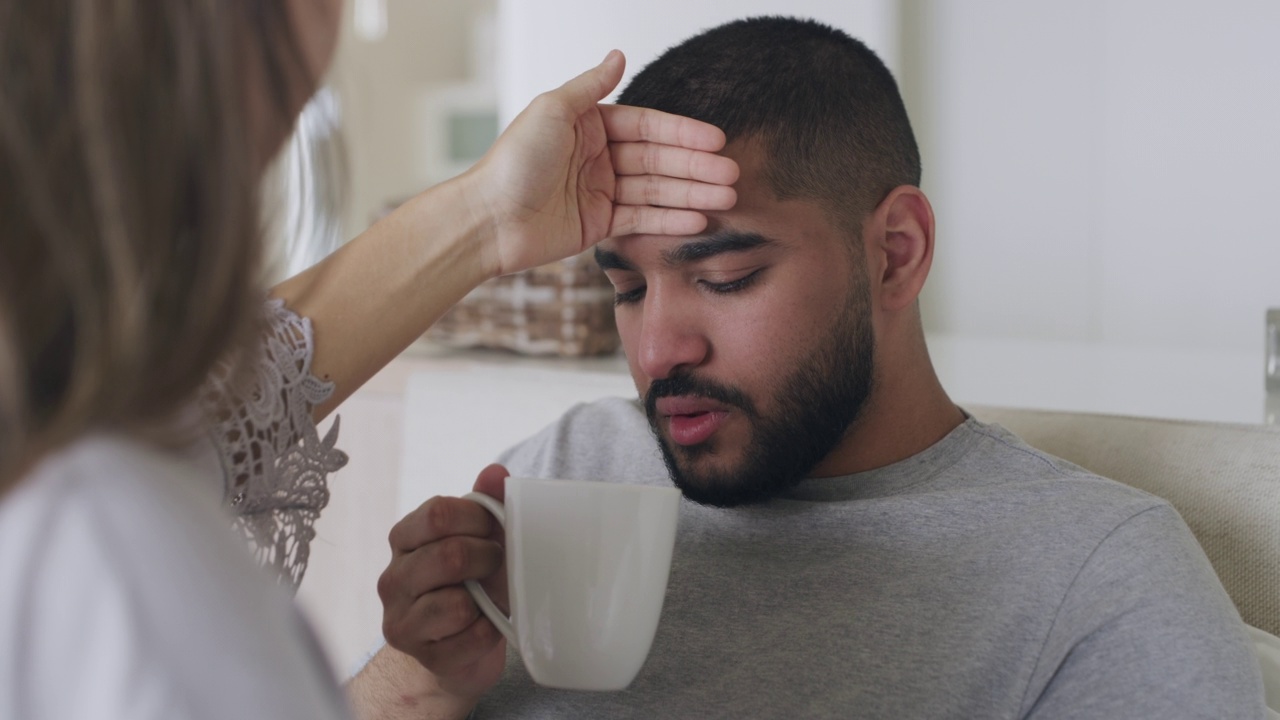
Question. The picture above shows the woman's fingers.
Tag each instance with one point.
(624, 123)
(643, 158)
(646, 220)
(669, 192)
(583, 92)
(665, 168)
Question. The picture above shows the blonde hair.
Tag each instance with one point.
(130, 232)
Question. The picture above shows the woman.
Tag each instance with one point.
(133, 137)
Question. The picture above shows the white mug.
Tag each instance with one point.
(587, 569)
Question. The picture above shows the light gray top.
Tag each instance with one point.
(275, 465)
(980, 578)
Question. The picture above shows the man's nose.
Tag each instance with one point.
(671, 337)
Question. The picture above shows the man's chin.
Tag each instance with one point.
(708, 480)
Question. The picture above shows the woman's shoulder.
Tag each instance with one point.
(124, 505)
(119, 570)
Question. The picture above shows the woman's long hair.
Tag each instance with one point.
(130, 231)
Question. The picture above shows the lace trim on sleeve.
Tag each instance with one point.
(275, 465)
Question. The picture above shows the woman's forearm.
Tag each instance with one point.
(375, 295)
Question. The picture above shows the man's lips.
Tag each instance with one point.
(691, 420)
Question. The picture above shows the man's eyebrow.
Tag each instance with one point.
(610, 260)
(690, 252)
(725, 241)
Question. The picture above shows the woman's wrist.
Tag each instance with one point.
(453, 232)
(375, 295)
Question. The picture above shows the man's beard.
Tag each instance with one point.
(814, 407)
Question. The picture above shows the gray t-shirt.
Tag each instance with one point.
(980, 578)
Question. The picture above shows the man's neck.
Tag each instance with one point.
(907, 412)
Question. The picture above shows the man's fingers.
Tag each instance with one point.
(430, 618)
(437, 518)
(639, 158)
(672, 193)
(624, 123)
(445, 613)
(492, 482)
(644, 220)
(443, 631)
(458, 652)
(442, 516)
(436, 565)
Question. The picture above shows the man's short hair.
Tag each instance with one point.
(823, 106)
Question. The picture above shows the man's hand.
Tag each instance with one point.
(570, 172)
(427, 613)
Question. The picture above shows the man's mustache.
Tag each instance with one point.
(687, 384)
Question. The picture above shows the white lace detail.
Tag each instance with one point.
(275, 464)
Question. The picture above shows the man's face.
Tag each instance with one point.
(751, 344)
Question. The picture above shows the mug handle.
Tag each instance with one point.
(490, 610)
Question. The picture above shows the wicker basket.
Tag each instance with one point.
(564, 308)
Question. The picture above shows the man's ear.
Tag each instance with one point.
(901, 245)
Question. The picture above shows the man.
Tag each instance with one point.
(852, 543)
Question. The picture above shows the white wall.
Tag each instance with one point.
(381, 83)
(1102, 170)
(542, 43)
